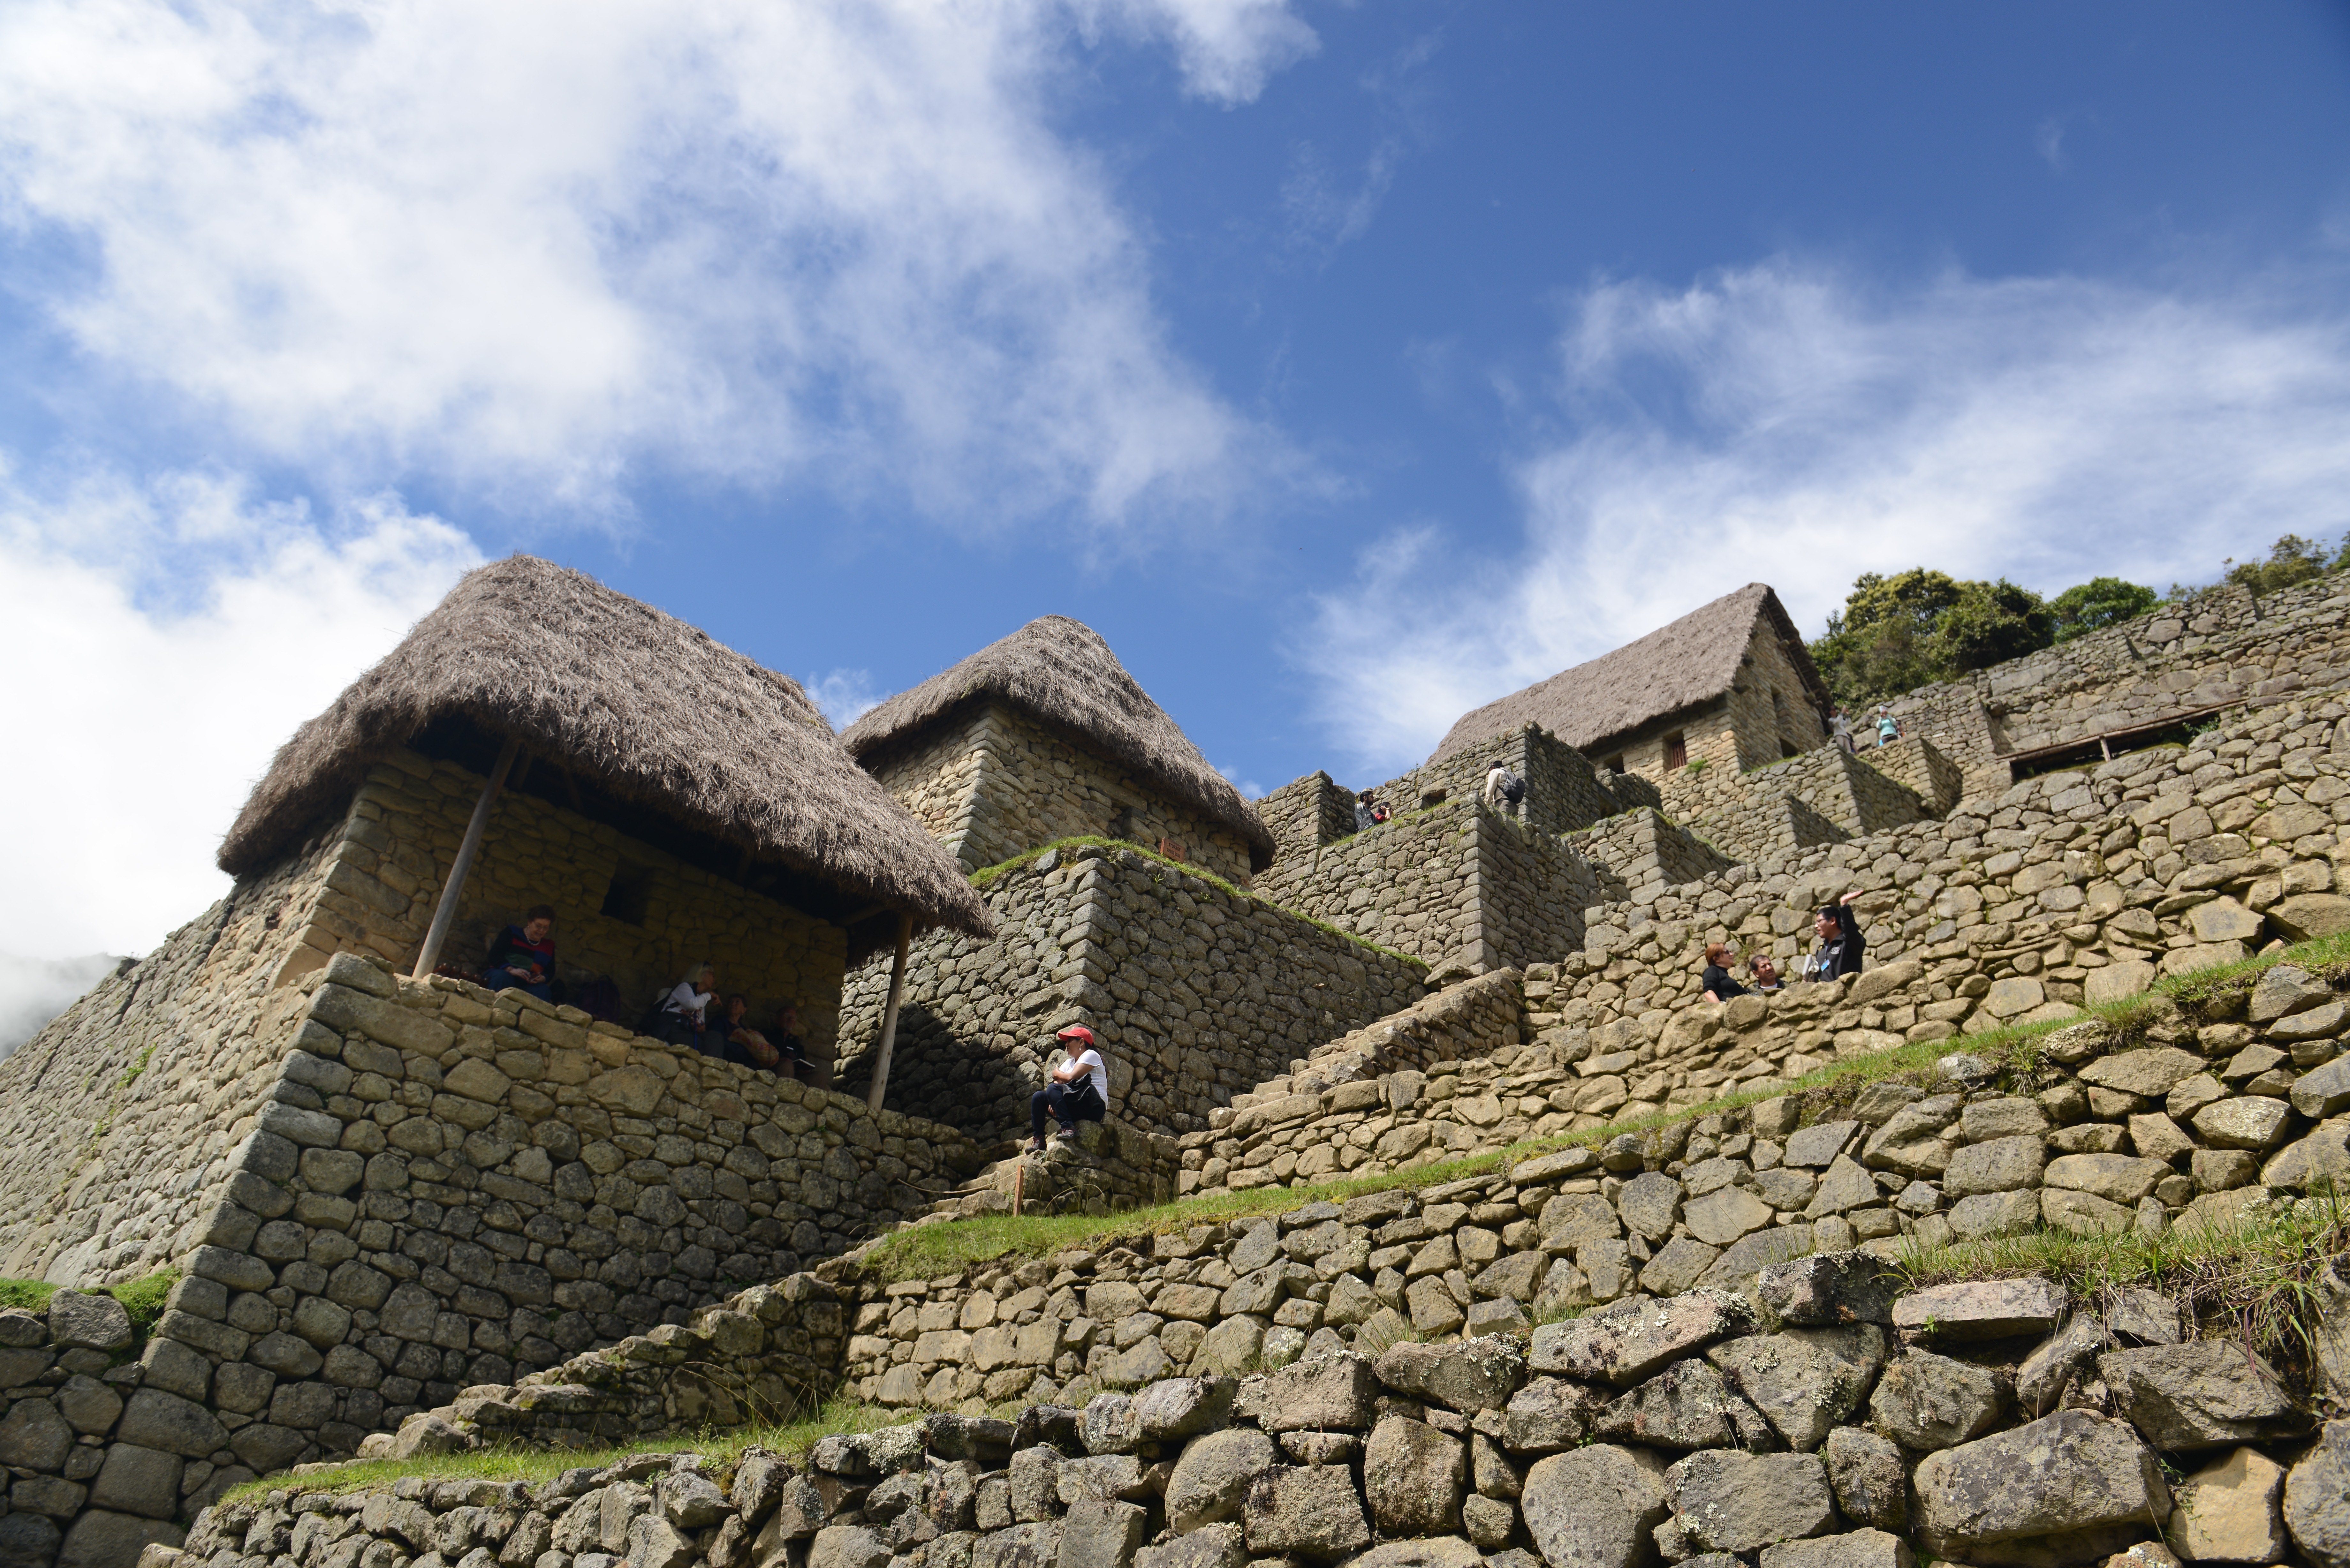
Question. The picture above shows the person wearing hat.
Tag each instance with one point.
(1841, 943)
(1079, 1090)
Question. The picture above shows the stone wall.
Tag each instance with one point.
(1305, 814)
(439, 1188)
(1003, 783)
(1641, 852)
(115, 1118)
(1564, 792)
(1194, 992)
(2159, 861)
(1457, 884)
(1739, 813)
(2220, 648)
(1917, 764)
(1833, 1419)
(401, 835)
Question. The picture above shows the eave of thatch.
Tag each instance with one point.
(1062, 674)
(643, 706)
(1676, 669)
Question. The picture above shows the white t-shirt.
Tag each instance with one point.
(686, 1001)
(1090, 1060)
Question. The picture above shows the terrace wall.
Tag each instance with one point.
(1194, 992)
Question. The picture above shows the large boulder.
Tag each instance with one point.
(1686, 1406)
(1328, 1392)
(2200, 1395)
(1857, 1549)
(1972, 1310)
(1870, 1481)
(1805, 1381)
(1829, 1288)
(2317, 1499)
(1211, 1480)
(1595, 1507)
(1310, 1511)
(2231, 1511)
(1627, 1343)
(1927, 1401)
(2069, 1487)
(1469, 1375)
(1729, 1501)
(1414, 1477)
(1548, 1415)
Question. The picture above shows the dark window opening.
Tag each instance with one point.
(630, 894)
(1616, 764)
(1121, 827)
(1676, 750)
(1432, 797)
(1787, 748)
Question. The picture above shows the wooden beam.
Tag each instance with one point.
(446, 912)
(888, 1041)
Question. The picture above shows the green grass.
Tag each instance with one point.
(503, 1462)
(2254, 1278)
(986, 875)
(143, 1299)
(2208, 991)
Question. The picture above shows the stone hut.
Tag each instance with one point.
(671, 799)
(1730, 684)
(1043, 736)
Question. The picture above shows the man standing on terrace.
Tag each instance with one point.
(1841, 943)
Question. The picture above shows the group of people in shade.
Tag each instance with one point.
(1839, 953)
(693, 1013)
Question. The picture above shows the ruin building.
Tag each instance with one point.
(1044, 736)
(1730, 685)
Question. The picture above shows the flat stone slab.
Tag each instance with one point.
(1981, 1309)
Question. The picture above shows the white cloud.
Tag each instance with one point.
(844, 695)
(34, 991)
(1249, 787)
(531, 245)
(1786, 424)
(162, 641)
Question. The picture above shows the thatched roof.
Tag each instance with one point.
(1062, 674)
(635, 702)
(1673, 669)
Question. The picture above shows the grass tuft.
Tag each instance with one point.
(2255, 1278)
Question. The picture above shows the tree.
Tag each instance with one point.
(2292, 559)
(2099, 602)
(1991, 623)
(1882, 643)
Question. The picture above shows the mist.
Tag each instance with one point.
(34, 991)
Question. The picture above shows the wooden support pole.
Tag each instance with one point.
(446, 912)
(890, 1017)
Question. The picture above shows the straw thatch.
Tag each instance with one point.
(1674, 669)
(648, 709)
(1062, 674)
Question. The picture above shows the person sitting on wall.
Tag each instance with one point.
(1079, 1091)
(1764, 971)
(684, 1012)
(1841, 943)
(522, 957)
(1716, 982)
(737, 1041)
(1364, 818)
(790, 1053)
(1380, 812)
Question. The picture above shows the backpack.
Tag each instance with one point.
(1513, 788)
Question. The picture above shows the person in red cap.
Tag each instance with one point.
(1079, 1090)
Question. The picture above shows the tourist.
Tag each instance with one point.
(1840, 727)
(1364, 819)
(522, 957)
(792, 1057)
(685, 1010)
(1079, 1091)
(1503, 788)
(1380, 812)
(1715, 982)
(1888, 728)
(1764, 971)
(1841, 943)
(736, 1041)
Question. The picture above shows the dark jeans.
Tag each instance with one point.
(1069, 1104)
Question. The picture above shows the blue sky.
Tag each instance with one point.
(1346, 365)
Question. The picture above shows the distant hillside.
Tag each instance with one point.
(34, 991)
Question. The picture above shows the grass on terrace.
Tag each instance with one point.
(937, 1250)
